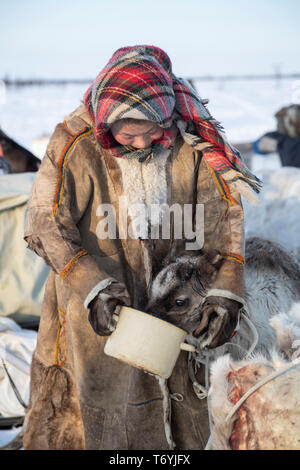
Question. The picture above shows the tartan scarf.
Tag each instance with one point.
(138, 83)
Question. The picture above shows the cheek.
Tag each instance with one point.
(158, 135)
(121, 140)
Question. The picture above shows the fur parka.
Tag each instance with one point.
(80, 398)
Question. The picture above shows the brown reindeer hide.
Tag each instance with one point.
(54, 420)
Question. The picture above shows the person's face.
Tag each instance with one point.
(139, 135)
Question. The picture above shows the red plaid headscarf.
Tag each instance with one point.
(138, 83)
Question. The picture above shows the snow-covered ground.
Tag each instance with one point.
(7, 435)
(277, 217)
(31, 112)
(245, 108)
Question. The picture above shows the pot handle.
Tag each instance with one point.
(187, 347)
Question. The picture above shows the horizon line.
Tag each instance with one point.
(63, 81)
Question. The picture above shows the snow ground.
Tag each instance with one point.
(277, 217)
(7, 435)
(245, 108)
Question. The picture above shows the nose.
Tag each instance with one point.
(141, 142)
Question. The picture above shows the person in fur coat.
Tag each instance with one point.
(145, 137)
(285, 140)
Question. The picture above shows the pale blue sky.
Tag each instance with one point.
(74, 39)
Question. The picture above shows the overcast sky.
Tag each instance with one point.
(75, 38)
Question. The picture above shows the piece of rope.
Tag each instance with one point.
(176, 397)
(14, 387)
(253, 330)
(167, 410)
(203, 357)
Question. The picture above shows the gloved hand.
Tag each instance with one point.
(103, 307)
(219, 318)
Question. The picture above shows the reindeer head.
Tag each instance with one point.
(288, 120)
(177, 292)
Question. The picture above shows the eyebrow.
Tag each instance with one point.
(133, 135)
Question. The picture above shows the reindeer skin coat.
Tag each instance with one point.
(80, 398)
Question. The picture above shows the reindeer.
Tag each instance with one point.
(272, 278)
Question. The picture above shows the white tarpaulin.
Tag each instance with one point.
(22, 272)
(16, 348)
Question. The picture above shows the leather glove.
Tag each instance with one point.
(219, 318)
(103, 307)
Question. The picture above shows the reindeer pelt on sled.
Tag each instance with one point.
(269, 419)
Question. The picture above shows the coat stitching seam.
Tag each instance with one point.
(62, 164)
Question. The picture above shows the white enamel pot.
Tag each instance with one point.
(146, 342)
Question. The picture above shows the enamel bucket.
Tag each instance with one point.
(146, 342)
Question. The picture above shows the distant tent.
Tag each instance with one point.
(14, 158)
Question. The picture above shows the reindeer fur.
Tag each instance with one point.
(55, 421)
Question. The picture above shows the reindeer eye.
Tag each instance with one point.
(180, 302)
